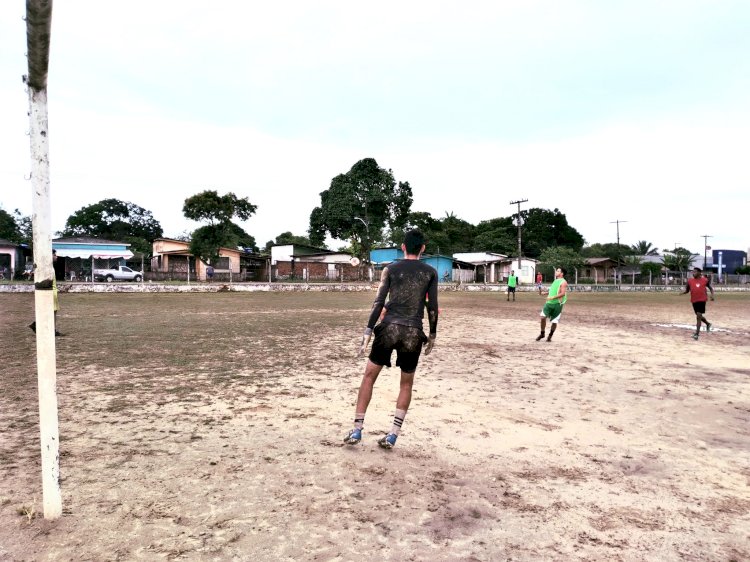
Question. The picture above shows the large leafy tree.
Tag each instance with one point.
(361, 206)
(288, 238)
(498, 235)
(8, 227)
(218, 211)
(25, 228)
(452, 235)
(112, 219)
(446, 235)
(607, 250)
(542, 228)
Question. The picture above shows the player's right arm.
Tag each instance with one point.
(432, 313)
(377, 306)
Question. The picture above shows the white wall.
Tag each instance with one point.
(281, 253)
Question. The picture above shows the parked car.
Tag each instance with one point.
(120, 273)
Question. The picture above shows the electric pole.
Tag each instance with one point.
(619, 260)
(519, 228)
(705, 248)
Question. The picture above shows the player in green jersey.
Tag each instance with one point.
(558, 296)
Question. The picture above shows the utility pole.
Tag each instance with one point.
(619, 260)
(519, 228)
(705, 248)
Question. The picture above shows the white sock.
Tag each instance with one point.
(398, 421)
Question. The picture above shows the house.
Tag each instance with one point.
(12, 258)
(82, 254)
(488, 261)
(172, 258)
(450, 269)
(598, 269)
(526, 272)
(308, 263)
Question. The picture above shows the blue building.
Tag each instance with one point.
(384, 256)
(730, 261)
(380, 257)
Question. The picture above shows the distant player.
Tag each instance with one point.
(539, 282)
(698, 288)
(405, 283)
(558, 296)
(512, 284)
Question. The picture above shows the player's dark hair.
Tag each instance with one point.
(413, 240)
(564, 271)
(698, 269)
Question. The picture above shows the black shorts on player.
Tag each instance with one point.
(405, 340)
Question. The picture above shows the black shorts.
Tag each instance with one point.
(511, 289)
(699, 307)
(406, 340)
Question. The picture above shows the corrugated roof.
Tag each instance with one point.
(87, 240)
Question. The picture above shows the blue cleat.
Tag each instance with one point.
(388, 441)
(353, 437)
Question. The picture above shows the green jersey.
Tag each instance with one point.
(555, 288)
(512, 281)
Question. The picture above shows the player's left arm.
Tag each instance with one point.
(709, 287)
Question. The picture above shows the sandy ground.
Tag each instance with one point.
(619, 440)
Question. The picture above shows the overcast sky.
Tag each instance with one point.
(633, 111)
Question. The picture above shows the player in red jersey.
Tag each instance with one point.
(698, 288)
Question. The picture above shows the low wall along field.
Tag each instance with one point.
(209, 426)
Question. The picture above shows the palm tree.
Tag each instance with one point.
(644, 248)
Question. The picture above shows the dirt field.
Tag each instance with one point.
(210, 426)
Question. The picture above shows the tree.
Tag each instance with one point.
(651, 268)
(209, 206)
(454, 235)
(542, 229)
(560, 256)
(360, 206)
(678, 259)
(644, 248)
(112, 219)
(445, 236)
(25, 228)
(218, 211)
(8, 227)
(498, 235)
(608, 250)
(288, 238)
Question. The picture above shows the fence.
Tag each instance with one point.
(668, 278)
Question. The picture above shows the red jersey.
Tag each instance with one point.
(698, 289)
(538, 277)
